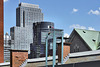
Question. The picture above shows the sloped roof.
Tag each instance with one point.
(92, 38)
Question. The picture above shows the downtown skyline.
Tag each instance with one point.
(65, 14)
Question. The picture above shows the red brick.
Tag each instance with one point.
(17, 57)
(66, 51)
(1, 33)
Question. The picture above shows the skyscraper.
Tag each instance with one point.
(26, 14)
(1, 33)
(22, 34)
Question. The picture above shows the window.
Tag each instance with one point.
(51, 46)
(76, 48)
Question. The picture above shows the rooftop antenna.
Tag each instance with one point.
(19, 1)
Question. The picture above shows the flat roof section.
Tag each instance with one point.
(83, 54)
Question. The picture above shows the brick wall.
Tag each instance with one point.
(1, 33)
(18, 57)
(66, 51)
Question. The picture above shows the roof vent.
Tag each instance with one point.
(93, 40)
(84, 32)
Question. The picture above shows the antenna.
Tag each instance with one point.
(19, 1)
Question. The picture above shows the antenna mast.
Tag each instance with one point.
(19, 1)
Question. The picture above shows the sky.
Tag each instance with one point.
(66, 14)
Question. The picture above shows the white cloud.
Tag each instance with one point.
(5, 0)
(66, 35)
(99, 8)
(77, 26)
(91, 28)
(96, 12)
(81, 27)
(74, 10)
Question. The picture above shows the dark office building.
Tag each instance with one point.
(1, 33)
(41, 30)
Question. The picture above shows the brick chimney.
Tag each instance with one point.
(18, 57)
(66, 50)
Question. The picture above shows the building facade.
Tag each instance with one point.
(1, 32)
(27, 14)
(22, 34)
(41, 30)
(22, 37)
(8, 43)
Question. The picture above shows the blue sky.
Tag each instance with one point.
(66, 14)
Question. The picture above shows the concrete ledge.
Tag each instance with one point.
(19, 50)
(30, 60)
(5, 64)
(86, 53)
(40, 59)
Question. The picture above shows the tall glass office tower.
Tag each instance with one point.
(22, 34)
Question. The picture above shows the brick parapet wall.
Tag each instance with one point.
(18, 57)
(66, 51)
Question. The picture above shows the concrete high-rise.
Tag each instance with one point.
(1, 32)
(22, 34)
(26, 14)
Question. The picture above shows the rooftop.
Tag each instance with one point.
(29, 5)
(73, 58)
(91, 37)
